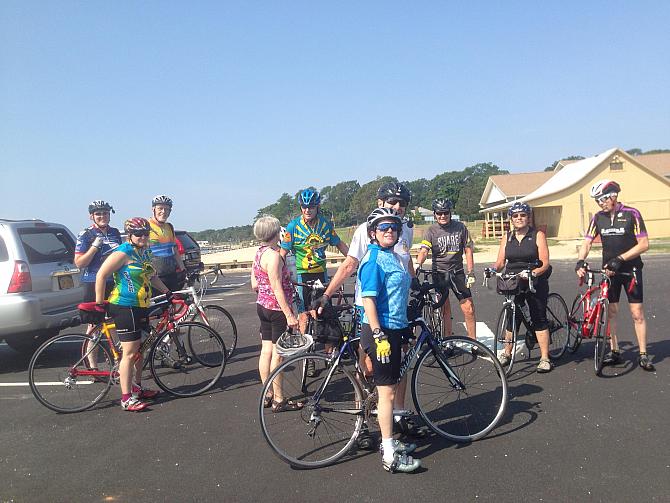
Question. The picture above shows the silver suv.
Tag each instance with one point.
(39, 283)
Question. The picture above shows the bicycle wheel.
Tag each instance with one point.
(576, 320)
(437, 324)
(189, 360)
(54, 373)
(469, 408)
(326, 427)
(221, 321)
(602, 337)
(505, 340)
(557, 317)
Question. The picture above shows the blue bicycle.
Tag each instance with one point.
(458, 388)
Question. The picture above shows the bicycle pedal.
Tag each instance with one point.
(403, 412)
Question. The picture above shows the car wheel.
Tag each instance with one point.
(27, 343)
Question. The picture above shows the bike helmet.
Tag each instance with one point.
(136, 224)
(309, 197)
(162, 199)
(99, 205)
(604, 187)
(381, 214)
(290, 344)
(394, 190)
(442, 204)
(519, 207)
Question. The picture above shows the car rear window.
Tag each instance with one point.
(4, 255)
(47, 245)
(187, 241)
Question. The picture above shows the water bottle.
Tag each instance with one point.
(291, 265)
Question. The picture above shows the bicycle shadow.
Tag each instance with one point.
(585, 354)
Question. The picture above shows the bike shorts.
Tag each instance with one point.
(174, 281)
(273, 323)
(537, 305)
(89, 290)
(305, 293)
(385, 374)
(130, 322)
(454, 281)
(617, 282)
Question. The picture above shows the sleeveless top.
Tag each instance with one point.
(162, 243)
(519, 253)
(132, 283)
(266, 297)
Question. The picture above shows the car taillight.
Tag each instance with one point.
(180, 247)
(21, 280)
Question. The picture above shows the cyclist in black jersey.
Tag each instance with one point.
(624, 238)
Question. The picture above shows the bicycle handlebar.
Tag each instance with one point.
(526, 274)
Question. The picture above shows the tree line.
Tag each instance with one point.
(349, 203)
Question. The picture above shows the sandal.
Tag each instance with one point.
(286, 405)
(267, 400)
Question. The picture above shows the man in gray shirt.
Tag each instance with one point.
(449, 240)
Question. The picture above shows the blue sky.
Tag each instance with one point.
(225, 105)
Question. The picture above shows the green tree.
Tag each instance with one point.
(285, 209)
(365, 199)
(335, 201)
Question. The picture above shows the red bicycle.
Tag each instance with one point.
(588, 314)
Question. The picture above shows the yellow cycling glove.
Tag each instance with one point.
(382, 348)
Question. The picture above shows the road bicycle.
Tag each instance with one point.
(514, 313)
(588, 314)
(461, 394)
(185, 359)
(212, 315)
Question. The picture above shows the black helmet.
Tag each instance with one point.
(99, 205)
(519, 207)
(394, 190)
(442, 204)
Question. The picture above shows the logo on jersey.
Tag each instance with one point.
(287, 237)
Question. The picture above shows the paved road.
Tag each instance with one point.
(567, 436)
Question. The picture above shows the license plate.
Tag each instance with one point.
(65, 282)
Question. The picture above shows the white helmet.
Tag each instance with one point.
(603, 187)
(290, 344)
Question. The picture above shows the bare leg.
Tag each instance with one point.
(447, 328)
(640, 324)
(468, 308)
(543, 342)
(612, 312)
(128, 362)
(264, 360)
(385, 410)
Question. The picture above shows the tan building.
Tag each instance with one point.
(562, 204)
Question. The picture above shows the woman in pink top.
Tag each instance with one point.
(270, 278)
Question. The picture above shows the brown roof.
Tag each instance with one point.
(658, 163)
(520, 184)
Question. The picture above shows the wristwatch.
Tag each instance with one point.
(377, 333)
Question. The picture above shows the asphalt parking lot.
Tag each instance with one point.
(566, 436)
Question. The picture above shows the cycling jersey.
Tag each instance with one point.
(447, 242)
(359, 247)
(382, 275)
(132, 286)
(162, 243)
(110, 240)
(309, 243)
(619, 233)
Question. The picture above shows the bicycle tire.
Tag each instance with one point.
(559, 331)
(602, 340)
(460, 415)
(324, 430)
(576, 323)
(50, 374)
(222, 322)
(501, 341)
(177, 367)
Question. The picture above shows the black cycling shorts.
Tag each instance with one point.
(130, 322)
(174, 281)
(454, 281)
(537, 305)
(385, 374)
(273, 323)
(617, 282)
(89, 290)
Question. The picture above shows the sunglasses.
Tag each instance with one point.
(604, 198)
(140, 234)
(393, 202)
(313, 207)
(519, 215)
(386, 226)
(101, 213)
(443, 213)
